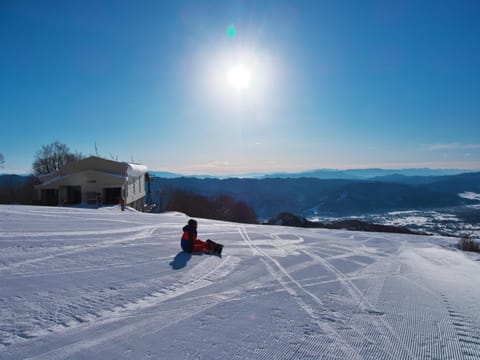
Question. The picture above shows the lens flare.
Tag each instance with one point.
(231, 31)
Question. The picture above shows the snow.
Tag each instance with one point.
(136, 169)
(470, 195)
(105, 284)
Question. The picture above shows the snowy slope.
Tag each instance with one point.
(85, 284)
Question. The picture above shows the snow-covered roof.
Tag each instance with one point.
(136, 169)
(94, 163)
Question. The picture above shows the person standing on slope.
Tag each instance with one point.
(191, 244)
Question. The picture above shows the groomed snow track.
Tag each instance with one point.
(80, 283)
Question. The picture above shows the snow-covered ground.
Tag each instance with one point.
(105, 284)
(455, 221)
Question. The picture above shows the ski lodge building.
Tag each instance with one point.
(94, 181)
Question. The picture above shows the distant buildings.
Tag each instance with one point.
(94, 181)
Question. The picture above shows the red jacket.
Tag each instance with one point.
(189, 233)
(189, 242)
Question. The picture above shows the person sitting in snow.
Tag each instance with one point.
(191, 244)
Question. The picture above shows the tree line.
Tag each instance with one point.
(221, 207)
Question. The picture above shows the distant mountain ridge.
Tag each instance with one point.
(378, 191)
(328, 174)
(307, 196)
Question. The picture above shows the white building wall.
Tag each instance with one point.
(135, 188)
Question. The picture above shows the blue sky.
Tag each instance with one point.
(331, 84)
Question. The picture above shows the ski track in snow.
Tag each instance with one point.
(86, 283)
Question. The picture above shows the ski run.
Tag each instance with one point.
(106, 284)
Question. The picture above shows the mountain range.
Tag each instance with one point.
(324, 192)
(309, 196)
(328, 174)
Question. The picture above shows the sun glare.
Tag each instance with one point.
(239, 77)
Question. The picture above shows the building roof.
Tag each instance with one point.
(97, 164)
(56, 181)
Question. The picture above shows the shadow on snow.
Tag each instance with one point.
(181, 259)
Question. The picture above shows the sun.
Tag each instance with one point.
(239, 77)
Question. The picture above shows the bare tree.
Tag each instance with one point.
(52, 157)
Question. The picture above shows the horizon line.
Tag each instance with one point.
(471, 166)
(226, 169)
